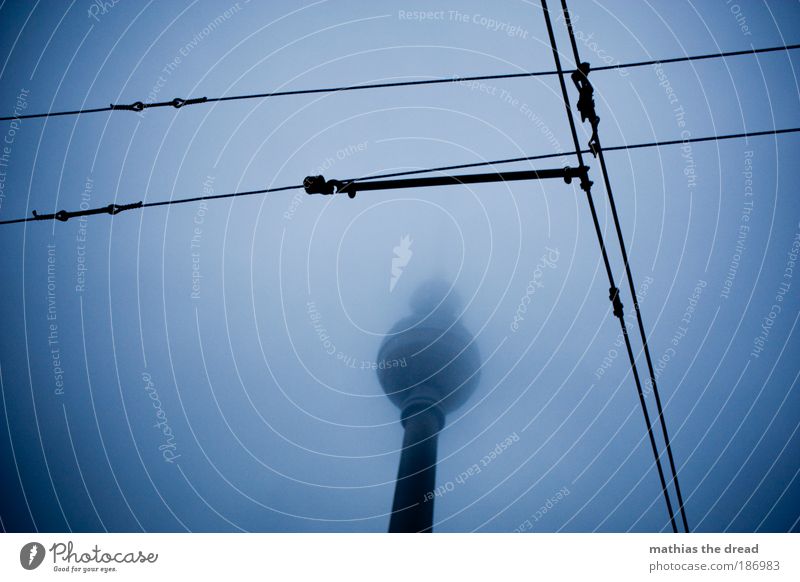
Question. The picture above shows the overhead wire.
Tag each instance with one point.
(178, 103)
(586, 186)
(598, 151)
(616, 148)
(114, 209)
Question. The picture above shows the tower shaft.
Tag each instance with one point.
(412, 510)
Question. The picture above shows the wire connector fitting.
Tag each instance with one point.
(613, 295)
(318, 185)
(177, 103)
(65, 215)
(137, 106)
(586, 105)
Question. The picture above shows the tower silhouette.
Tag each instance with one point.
(430, 367)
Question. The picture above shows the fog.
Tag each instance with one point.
(212, 366)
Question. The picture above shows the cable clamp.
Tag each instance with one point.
(65, 215)
(318, 185)
(586, 183)
(114, 209)
(613, 295)
(177, 103)
(585, 94)
(137, 106)
(594, 143)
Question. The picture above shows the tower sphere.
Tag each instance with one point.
(429, 358)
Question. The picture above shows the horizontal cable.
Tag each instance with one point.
(177, 103)
(753, 51)
(634, 146)
(113, 209)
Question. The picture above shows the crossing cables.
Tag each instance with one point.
(581, 79)
(586, 186)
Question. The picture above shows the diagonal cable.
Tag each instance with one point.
(586, 185)
(596, 145)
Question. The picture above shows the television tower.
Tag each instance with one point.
(430, 368)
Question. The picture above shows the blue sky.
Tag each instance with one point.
(210, 368)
